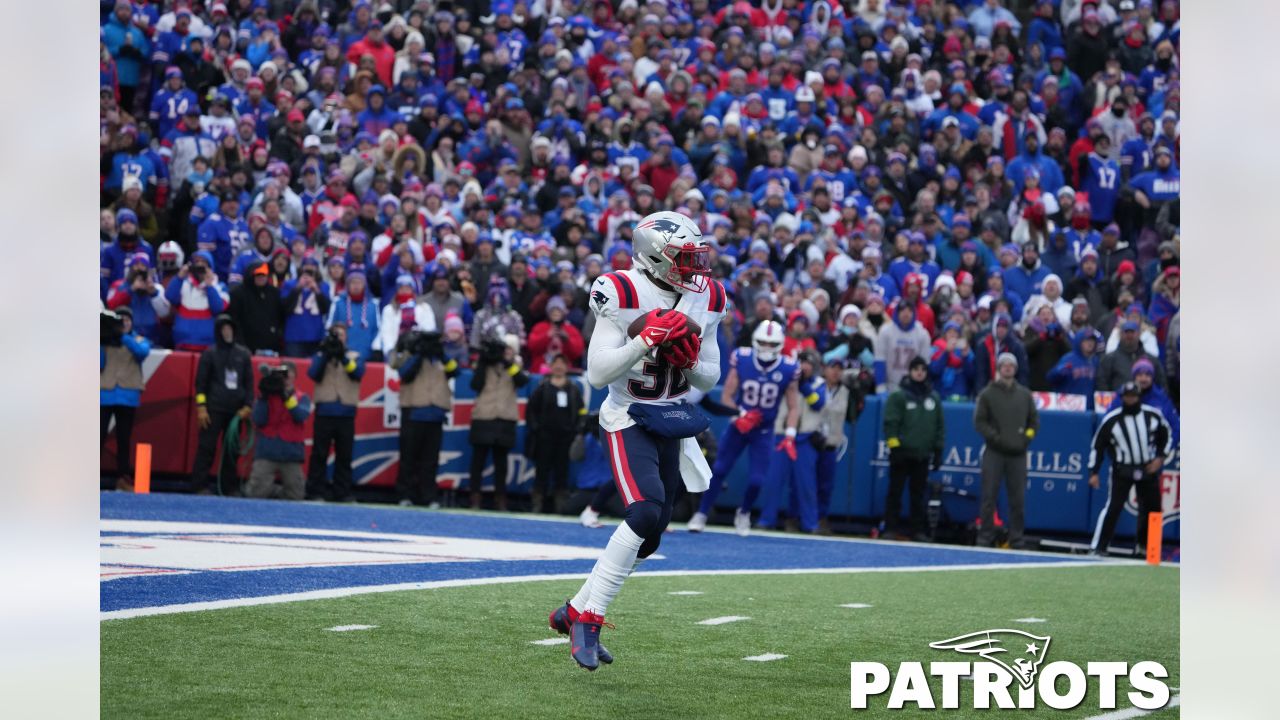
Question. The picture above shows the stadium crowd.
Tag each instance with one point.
(887, 178)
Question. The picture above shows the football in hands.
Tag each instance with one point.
(639, 324)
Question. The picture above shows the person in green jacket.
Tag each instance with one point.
(915, 437)
(1006, 418)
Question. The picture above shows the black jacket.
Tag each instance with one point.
(543, 414)
(220, 366)
(259, 315)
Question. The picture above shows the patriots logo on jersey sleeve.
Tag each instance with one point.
(599, 298)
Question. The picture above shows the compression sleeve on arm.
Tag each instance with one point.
(706, 373)
(611, 354)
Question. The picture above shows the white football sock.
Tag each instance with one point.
(579, 601)
(613, 567)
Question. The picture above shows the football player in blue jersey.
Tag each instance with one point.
(758, 378)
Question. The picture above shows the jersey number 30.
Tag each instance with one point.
(661, 379)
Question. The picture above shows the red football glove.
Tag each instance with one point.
(683, 353)
(663, 328)
(788, 446)
(748, 421)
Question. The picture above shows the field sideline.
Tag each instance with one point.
(467, 641)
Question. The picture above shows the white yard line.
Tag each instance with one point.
(1129, 713)
(349, 628)
(855, 606)
(684, 592)
(552, 641)
(1031, 620)
(469, 582)
(765, 657)
(723, 620)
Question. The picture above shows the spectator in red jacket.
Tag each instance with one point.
(553, 337)
(384, 56)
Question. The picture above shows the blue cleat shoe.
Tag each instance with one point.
(562, 619)
(584, 640)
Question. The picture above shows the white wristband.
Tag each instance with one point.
(791, 432)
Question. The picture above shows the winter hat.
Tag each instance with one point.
(453, 323)
(1143, 366)
(1002, 318)
(944, 280)
(848, 310)
(124, 215)
(1125, 266)
(916, 362)
(1007, 357)
(556, 303)
(952, 325)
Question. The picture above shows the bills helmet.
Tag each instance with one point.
(670, 247)
(767, 341)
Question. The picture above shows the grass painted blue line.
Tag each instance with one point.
(682, 551)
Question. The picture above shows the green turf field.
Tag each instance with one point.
(467, 652)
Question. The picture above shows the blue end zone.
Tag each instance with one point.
(681, 551)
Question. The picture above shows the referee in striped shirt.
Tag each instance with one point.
(1138, 439)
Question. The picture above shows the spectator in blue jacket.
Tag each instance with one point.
(223, 234)
(1144, 376)
(306, 305)
(127, 242)
(130, 49)
(196, 296)
(279, 414)
(139, 292)
(356, 309)
(1025, 278)
(120, 355)
(951, 365)
(1050, 174)
(1075, 371)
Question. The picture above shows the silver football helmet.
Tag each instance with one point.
(767, 341)
(670, 247)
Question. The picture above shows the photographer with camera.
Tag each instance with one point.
(336, 371)
(120, 355)
(280, 415)
(138, 292)
(224, 390)
(197, 297)
(496, 377)
(425, 401)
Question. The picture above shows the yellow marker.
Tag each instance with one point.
(893, 442)
(200, 398)
(142, 470)
(513, 370)
(1155, 536)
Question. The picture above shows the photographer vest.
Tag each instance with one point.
(430, 387)
(497, 401)
(337, 386)
(121, 370)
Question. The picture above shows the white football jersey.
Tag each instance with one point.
(619, 298)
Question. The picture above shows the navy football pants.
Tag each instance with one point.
(646, 469)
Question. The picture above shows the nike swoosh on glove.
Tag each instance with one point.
(662, 328)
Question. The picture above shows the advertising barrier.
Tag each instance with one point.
(1059, 499)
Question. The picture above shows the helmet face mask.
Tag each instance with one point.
(766, 341)
(670, 248)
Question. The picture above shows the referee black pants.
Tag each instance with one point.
(1123, 479)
